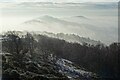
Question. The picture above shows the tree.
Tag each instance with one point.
(12, 43)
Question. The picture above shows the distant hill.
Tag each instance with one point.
(81, 17)
(82, 25)
(72, 38)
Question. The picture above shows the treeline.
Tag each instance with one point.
(103, 60)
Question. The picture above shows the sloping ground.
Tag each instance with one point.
(23, 67)
(19, 67)
(32, 59)
(73, 71)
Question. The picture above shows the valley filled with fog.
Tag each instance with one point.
(97, 21)
(59, 41)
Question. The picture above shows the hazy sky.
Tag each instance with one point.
(98, 22)
(59, 0)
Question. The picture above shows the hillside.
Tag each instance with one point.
(49, 58)
(71, 38)
(22, 61)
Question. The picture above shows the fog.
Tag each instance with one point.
(93, 20)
